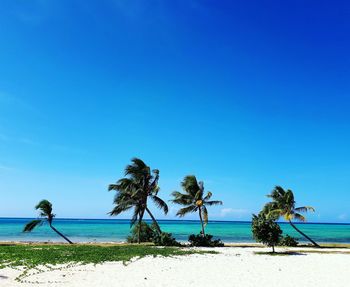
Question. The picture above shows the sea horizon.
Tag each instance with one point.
(179, 220)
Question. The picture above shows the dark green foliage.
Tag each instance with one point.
(146, 233)
(266, 230)
(32, 224)
(135, 190)
(288, 241)
(283, 205)
(204, 241)
(165, 239)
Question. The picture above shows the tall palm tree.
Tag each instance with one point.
(46, 215)
(134, 190)
(283, 205)
(194, 200)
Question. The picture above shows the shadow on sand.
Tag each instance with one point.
(286, 253)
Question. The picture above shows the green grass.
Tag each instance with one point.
(33, 257)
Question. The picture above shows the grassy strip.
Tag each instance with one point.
(35, 255)
(35, 259)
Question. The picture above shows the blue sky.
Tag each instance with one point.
(243, 94)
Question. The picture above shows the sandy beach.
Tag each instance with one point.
(233, 266)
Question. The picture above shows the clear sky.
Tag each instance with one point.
(243, 94)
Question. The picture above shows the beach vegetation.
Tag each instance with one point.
(165, 239)
(266, 230)
(198, 240)
(288, 241)
(149, 234)
(283, 205)
(139, 185)
(194, 199)
(38, 257)
(45, 216)
(141, 232)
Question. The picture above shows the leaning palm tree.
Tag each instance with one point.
(134, 190)
(283, 205)
(194, 200)
(46, 215)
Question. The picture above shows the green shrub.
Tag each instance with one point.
(204, 241)
(288, 241)
(266, 230)
(165, 239)
(146, 234)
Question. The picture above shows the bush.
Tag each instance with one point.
(165, 239)
(204, 241)
(288, 241)
(146, 234)
(266, 230)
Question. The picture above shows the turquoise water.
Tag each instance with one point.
(116, 230)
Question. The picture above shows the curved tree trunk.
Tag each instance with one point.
(154, 220)
(60, 234)
(303, 234)
(201, 219)
(140, 224)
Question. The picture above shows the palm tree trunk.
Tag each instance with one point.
(303, 234)
(154, 220)
(200, 217)
(140, 225)
(60, 234)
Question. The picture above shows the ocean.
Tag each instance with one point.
(116, 230)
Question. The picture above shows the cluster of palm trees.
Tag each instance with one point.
(140, 185)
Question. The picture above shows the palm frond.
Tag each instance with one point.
(213, 202)
(137, 169)
(274, 213)
(200, 192)
(277, 193)
(160, 203)
(45, 207)
(304, 209)
(32, 224)
(189, 209)
(190, 185)
(182, 198)
(154, 188)
(208, 196)
(299, 217)
(269, 206)
(120, 208)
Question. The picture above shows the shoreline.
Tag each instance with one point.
(324, 245)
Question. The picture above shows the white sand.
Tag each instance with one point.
(232, 267)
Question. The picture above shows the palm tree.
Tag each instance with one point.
(134, 190)
(194, 200)
(283, 205)
(46, 215)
